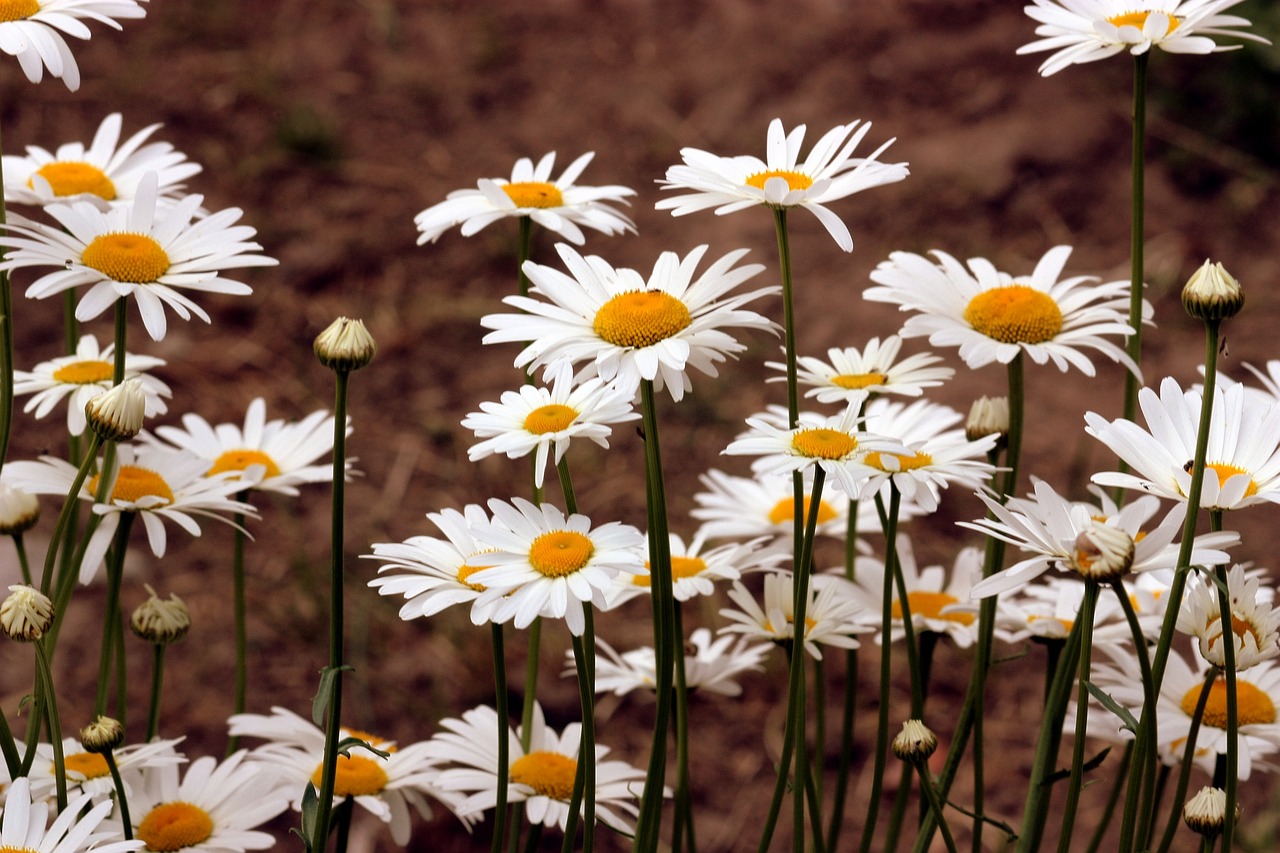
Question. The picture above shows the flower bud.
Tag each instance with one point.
(116, 415)
(26, 614)
(1212, 293)
(915, 742)
(161, 622)
(1102, 553)
(346, 345)
(988, 416)
(102, 735)
(19, 510)
(1206, 812)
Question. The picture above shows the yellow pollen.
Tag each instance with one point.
(356, 776)
(16, 10)
(1068, 624)
(547, 773)
(1225, 471)
(823, 443)
(1254, 706)
(465, 571)
(83, 372)
(173, 826)
(552, 417)
(560, 553)
(795, 180)
(1015, 314)
(641, 318)
(857, 381)
(74, 178)
(905, 463)
(134, 483)
(785, 509)
(239, 460)
(534, 194)
(1240, 627)
(1139, 20)
(681, 567)
(134, 258)
(930, 605)
(86, 765)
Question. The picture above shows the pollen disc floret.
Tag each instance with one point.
(239, 460)
(1138, 20)
(858, 381)
(552, 417)
(641, 318)
(133, 483)
(823, 443)
(1016, 314)
(560, 553)
(929, 605)
(1254, 705)
(356, 776)
(15, 10)
(84, 372)
(173, 826)
(540, 194)
(73, 178)
(127, 257)
(549, 774)
(795, 180)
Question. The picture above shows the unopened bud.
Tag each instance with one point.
(1212, 293)
(161, 622)
(988, 416)
(1206, 812)
(26, 614)
(116, 415)
(1102, 553)
(915, 742)
(102, 735)
(19, 510)
(345, 346)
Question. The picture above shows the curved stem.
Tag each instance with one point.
(935, 804)
(64, 517)
(1188, 759)
(122, 798)
(157, 682)
(111, 618)
(849, 705)
(583, 798)
(6, 348)
(54, 725)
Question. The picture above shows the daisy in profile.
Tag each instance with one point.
(850, 375)
(539, 419)
(541, 777)
(79, 378)
(628, 328)
(830, 172)
(1048, 611)
(1080, 32)
(711, 666)
(33, 30)
(695, 568)
(543, 564)
(25, 826)
(938, 599)
(1242, 462)
(103, 173)
(1255, 623)
(558, 205)
(833, 615)
(137, 249)
(745, 507)
(993, 316)
(88, 773)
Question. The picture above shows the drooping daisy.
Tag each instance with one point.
(850, 376)
(1255, 623)
(992, 316)
(628, 328)
(81, 377)
(33, 30)
(711, 666)
(829, 173)
(540, 777)
(695, 568)
(88, 772)
(538, 419)
(558, 205)
(102, 173)
(833, 615)
(25, 826)
(1242, 462)
(136, 249)
(1080, 31)
(938, 603)
(154, 483)
(545, 564)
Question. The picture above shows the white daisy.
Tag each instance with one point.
(850, 376)
(537, 419)
(938, 603)
(81, 377)
(1080, 31)
(104, 172)
(832, 616)
(136, 249)
(829, 173)
(558, 205)
(992, 316)
(33, 30)
(87, 772)
(1048, 611)
(26, 825)
(746, 507)
(630, 329)
(1255, 623)
(541, 777)
(695, 568)
(711, 666)
(544, 564)
(1242, 462)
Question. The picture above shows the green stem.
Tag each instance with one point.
(64, 517)
(849, 705)
(1188, 759)
(1087, 609)
(504, 742)
(1108, 812)
(122, 798)
(241, 627)
(157, 681)
(522, 254)
(111, 618)
(583, 798)
(6, 349)
(682, 830)
(1233, 704)
(54, 725)
(882, 717)
(935, 804)
(23, 563)
(526, 715)
(1136, 236)
(343, 818)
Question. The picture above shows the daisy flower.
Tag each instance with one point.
(154, 483)
(136, 249)
(829, 173)
(1048, 611)
(630, 329)
(709, 665)
(938, 603)
(695, 568)
(87, 772)
(270, 456)
(746, 507)
(541, 777)
(1255, 624)
(992, 316)
(850, 376)
(33, 30)
(81, 377)
(545, 564)
(538, 419)
(1080, 31)
(25, 825)
(103, 173)
(1242, 462)
(385, 787)
(832, 616)
(560, 205)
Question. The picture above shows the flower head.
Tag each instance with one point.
(26, 827)
(19, 510)
(159, 621)
(33, 30)
(1206, 812)
(938, 600)
(1212, 293)
(915, 742)
(88, 772)
(695, 568)
(1255, 623)
(850, 376)
(102, 735)
(26, 614)
(832, 616)
(345, 345)
(116, 415)
(988, 416)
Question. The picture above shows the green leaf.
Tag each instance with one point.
(1113, 706)
(324, 695)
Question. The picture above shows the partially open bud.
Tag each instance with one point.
(346, 345)
(915, 742)
(988, 416)
(1206, 812)
(116, 415)
(26, 614)
(1212, 293)
(161, 622)
(102, 735)
(19, 510)
(1102, 553)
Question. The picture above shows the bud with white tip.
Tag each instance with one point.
(345, 346)
(116, 415)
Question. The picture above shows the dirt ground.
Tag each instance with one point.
(332, 124)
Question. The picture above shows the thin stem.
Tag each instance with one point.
(682, 830)
(849, 704)
(935, 804)
(111, 618)
(68, 506)
(583, 798)
(1188, 759)
(522, 254)
(504, 742)
(241, 627)
(1233, 704)
(1113, 799)
(1087, 608)
(122, 798)
(23, 563)
(157, 681)
(6, 349)
(54, 725)
(343, 818)
(1137, 228)
(121, 336)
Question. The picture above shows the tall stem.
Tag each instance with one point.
(1137, 228)
(682, 830)
(504, 742)
(584, 786)
(850, 692)
(241, 629)
(54, 725)
(111, 619)
(157, 682)
(1087, 609)
(6, 348)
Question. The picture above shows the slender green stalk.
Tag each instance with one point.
(682, 830)
(1087, 608)
(111, 618)
(504, 743)
(1137, 274)
(343, 819)
(1113, 799)
(584, 786)
(23, 563)
(935, 804)
(530, 682)
(522, 254)
(64, 517)
(849, 704)
(157, 682)
(1233, 704)
(784, 761)
(1188, 759)
(122, 798)
(45, 674)
(241, 627)
(6, 350)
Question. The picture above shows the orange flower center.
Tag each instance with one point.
(1225, 471)
(641, 318)
(681, 567)
(134, 483)
(356, 776)
(239, 460)
(823, 443)
(552, 417)
(1015, 314)
(133, 258)
(534, 194)
(795, 180)
(465, 571)
(86, 765)
(560, 553)
(904, 463)
(930, 605)
(16, 10)
(858, 381)
(173, 826)
(547, 773)
(785, 510)
(1139, 20)
(1254, 706)
(72, 178)
(84, 372)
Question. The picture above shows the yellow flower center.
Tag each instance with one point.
(809, 622)
(356, 776)
(929, 605)
(239, 460)
(1068, 624)
(72, 178)
(16, 10)
(134, 258)
(1254, 706)
(86, 765)
(795, 180)
(1225, 471)
(1015, 314)
(905, 463)
(858, 381)
(1139, 20)
(173, 826)
(534, 194)
(465, 571)
(823, 443)
(785, 509)
(560, 553)
(83, 372)
(134, 483)
(641, 318)
(1242, 628)
(373, 740)
(681, 567)
(547, 773)
(552, 417)
(7, 849)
